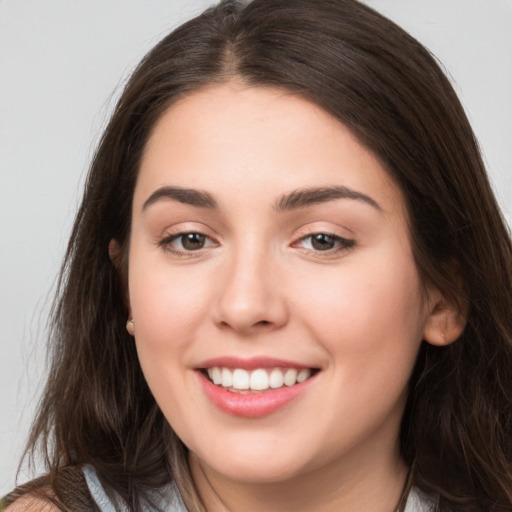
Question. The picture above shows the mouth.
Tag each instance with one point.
(255, 387)
(258, 380)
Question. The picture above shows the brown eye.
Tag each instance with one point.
(192, 241)
(182, 243)
(323, 242)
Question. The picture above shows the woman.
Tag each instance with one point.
(288, 283)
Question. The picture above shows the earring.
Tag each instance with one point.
(130, 327)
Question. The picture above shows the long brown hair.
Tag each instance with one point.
(383, 85)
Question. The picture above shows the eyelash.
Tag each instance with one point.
(167, 242)
(341, 244)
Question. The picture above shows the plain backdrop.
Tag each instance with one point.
(62, 65)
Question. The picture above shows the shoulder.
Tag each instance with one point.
(34, 496)
(64, 491)
(29, 503)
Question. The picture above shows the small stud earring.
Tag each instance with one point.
(130, 327)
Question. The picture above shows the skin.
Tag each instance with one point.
(259, 287)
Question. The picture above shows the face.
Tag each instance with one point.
(277, 307)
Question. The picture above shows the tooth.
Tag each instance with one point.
(276, 378)
(226, 378)
(215, 375)
(304, 374)
(259, 380)
(240, 379)
(290, 377)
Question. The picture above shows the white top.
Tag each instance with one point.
(419, 501)
(169, 499)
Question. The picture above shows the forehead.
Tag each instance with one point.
(257, 138)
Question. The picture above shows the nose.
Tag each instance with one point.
(251, 298)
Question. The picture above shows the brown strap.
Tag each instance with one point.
(68, 491)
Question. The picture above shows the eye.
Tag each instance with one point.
(186, 242)
(191, 241)
(325, 242)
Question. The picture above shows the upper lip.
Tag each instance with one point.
(250, 363)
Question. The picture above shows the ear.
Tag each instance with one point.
(446, 319)
(116, 255)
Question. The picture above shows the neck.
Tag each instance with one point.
(375, 484)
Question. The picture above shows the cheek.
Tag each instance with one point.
(372, 311)
(167, 310)
(165, 297)
(370, 326)
(168, 307)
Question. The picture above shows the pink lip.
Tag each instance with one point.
(249, 363)
(252, 405)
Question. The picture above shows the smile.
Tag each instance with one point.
(254, 387)
(239, 380)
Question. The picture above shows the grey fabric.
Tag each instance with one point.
(418, 501)
(170, 500)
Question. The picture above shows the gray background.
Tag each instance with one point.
(62, 65)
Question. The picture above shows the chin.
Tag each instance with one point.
(259, 461)
(270, 471)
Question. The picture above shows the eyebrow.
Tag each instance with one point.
(189, 196)
(296, 199)
(303, 198)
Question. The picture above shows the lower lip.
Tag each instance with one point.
(252, 405)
